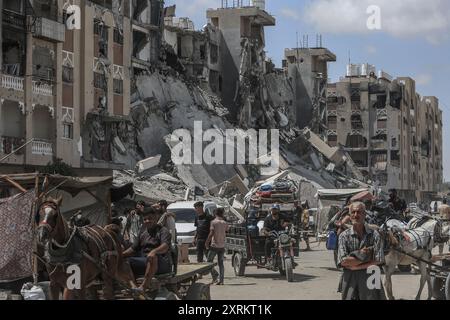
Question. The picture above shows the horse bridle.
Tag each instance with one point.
(44, 223)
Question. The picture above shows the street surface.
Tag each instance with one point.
(315, 279)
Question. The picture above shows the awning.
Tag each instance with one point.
(338, 193)
(72, 185)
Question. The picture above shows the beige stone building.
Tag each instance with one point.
(52, 78)
(392, 133)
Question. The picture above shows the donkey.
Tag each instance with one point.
(97, 252)
(413, 244)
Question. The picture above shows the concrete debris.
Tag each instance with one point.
(148, 163)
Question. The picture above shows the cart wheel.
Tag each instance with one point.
(437, 286)
(198, 291)
(289, 270)
(447, 288)
(239, 264)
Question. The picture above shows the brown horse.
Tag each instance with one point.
(96, 251)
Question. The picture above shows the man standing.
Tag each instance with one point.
(203, 224)
(399, 205)
(167, 219)
(359, 249)
(216, 244)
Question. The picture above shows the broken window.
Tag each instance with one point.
(332, 140)
(396, 99)
(394, 142)
(360, 158)
(214, 53)
(332, 100)
(100, 81)
(332, 122)
(381, 101)
(118, 38)
(356, 141)
(46, 8)
(67, 74)
(379, 160)
(14, 5)
(395, 158)
(356, 122)
(101, 31)
(43, 63)
(118, 86)
(382, 123)
(68, 130)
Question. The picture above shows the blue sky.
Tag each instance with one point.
(414, 39)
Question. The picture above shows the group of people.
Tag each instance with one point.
(149, 239)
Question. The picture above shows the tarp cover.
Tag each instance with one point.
(16, 236)
(73, 185)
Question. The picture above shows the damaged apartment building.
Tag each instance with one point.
(55, 79)
(392, 133)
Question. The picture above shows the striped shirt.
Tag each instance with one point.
(350, 242)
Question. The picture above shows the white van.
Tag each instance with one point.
(185, 218)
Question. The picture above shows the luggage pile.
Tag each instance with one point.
(280, 191)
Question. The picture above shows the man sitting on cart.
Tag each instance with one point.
(273, 222)
(152, 246)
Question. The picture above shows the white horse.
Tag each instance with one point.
(417, 241)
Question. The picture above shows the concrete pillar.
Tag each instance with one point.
(28, 91)
(127, 43)
(58, 87)
(1, 35)
(110, 93)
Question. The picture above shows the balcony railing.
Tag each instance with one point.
(9, 144)
(42, 88)
(13, 18)
(42, 147)
(11, 82)
(49, 29)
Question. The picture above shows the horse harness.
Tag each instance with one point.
(77, 245)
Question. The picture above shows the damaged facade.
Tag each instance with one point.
(392, 133)
(54, 78)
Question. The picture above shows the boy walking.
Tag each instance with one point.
(216, 244)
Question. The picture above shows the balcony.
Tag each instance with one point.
(11, 82)
(9, 144)
(49, 29)
(14, 19)
(42, 147)
(42, 88)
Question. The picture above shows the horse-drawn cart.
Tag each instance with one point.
(440, 277)
(182, 286)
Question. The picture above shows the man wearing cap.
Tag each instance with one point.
(203, 224)
(271, 223)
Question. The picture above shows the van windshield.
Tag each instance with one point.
(184, 215)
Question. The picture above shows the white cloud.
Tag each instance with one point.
(290, 14)
(428, 19)
(423, 79)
